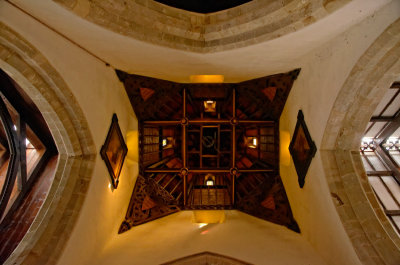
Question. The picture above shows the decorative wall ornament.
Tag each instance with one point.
(114, 151)
(302, 148)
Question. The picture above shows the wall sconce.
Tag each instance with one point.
(210, 106)
(252, 142)
(209, 180)
(167, 142)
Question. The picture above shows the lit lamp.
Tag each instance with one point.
(252, 142)
(209, 180)
(167, 142)
(210, 106)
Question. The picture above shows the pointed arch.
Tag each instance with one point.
(373, 237)
(48, 234)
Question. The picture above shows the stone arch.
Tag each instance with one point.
(204, 258)
(47, 236)
(374, 239)
(253, 22)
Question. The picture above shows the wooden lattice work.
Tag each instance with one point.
(209, 146)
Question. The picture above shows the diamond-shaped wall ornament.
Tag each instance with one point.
(302, 148)
(114, 151)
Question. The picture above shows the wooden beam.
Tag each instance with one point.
(388, 161)
(165, 170)
(379, 173)
(392, 212)
(27, 109)
(255, 121)
(33, 176)
(390, 128)
(209, 121)
(161, 122)
(211, 170)
(382, 119)
(395, 85)
(384, 109)
(12, 170)
(22, 153)
(256, 170)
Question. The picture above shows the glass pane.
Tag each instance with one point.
(396, 156)
(376, 162)
(14, 194)
(4, 156)
(393, 186)
(367, 167)
(34, 150)
(396, 221)
(383, 194)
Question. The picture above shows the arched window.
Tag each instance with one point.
(28, 157)
(380, 151)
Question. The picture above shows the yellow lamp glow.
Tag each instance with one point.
(132, 143)
(208, 216)
(210, 182)
(210, 106)
(206, 78)
(284, 148)
(251, 142)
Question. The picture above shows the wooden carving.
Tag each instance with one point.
(268, 201)
(302, 148)
(148, 202)
(114, 151)
(209, 146)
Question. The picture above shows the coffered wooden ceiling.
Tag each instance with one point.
(208, 146)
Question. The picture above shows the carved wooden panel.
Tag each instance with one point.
(209, 146)
(147, 192)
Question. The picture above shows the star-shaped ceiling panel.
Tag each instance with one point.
(208, 146)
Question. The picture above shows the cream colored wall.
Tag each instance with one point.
(241, 236)
(94, 239)
(323, 73)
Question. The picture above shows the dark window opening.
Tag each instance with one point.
(28, 158)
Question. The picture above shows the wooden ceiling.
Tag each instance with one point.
(208, 146)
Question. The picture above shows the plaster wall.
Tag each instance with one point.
(241, 236)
